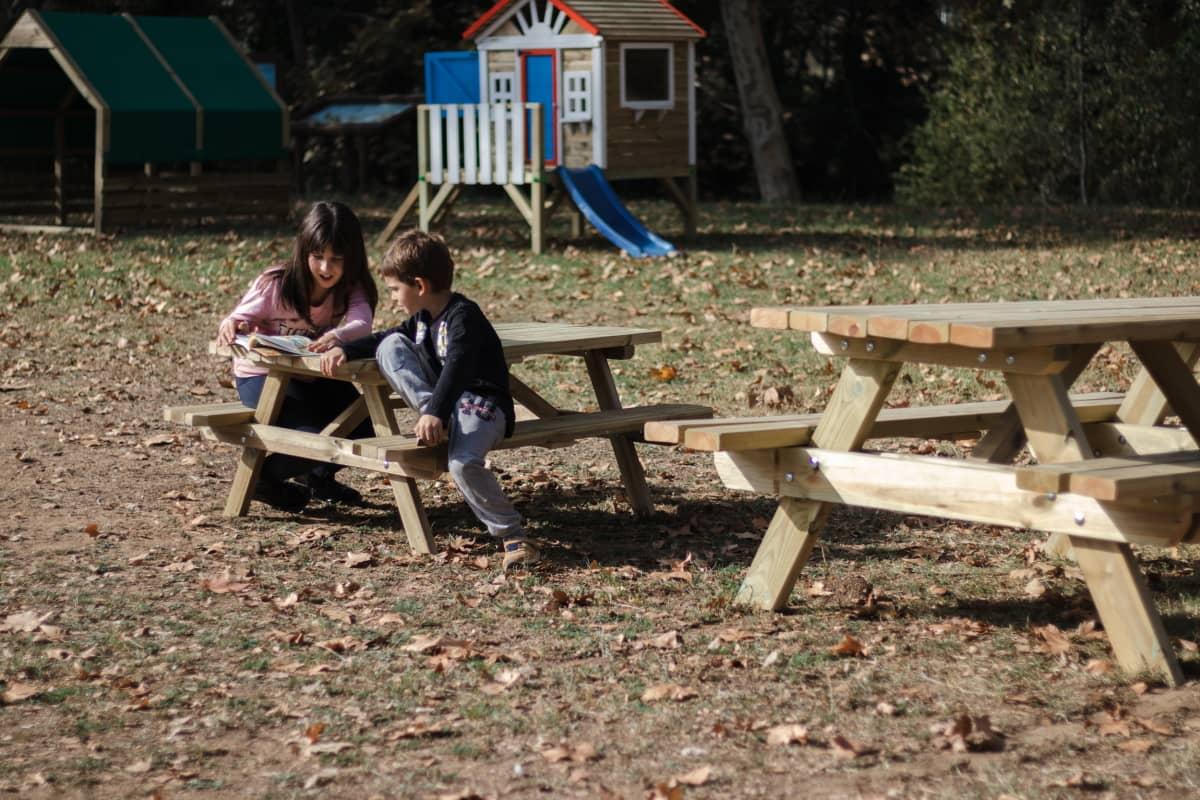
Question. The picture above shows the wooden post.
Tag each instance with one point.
(423, 114)
(537, 182)
(60, 192)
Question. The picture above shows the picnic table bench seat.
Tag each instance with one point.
(402, 453)
(793, 430)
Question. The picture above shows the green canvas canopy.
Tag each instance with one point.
(163, 89)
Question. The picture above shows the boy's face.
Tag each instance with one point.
(407, 296)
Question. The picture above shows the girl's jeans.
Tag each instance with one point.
(475, 428)
(307, 406)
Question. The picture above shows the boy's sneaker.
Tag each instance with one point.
(519, 553)
(324, 487)
(283, 495)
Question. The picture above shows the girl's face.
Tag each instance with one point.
(326, 268)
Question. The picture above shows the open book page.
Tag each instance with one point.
(294, 345)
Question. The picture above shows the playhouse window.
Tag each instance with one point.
(577, 96)
(647, 76)
(501, 87)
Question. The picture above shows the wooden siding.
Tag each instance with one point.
(577, 144)
(577, 58)
(501, 61)
(657, 143)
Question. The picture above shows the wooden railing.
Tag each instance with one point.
(480, 144)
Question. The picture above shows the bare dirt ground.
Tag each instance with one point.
(150, 647)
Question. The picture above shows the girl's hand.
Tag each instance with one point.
(325, 343)
(231, 328)
(429, 429)
(332, 359)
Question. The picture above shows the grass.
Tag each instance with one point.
(218, 692)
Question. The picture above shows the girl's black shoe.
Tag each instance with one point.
(283, 495)
(324, 487)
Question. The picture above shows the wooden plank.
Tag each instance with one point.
(920, 421)
(1085, 477)
(1144, 403)
(1120, 439)
(790, 537)
(212, 415)
(406, 207)
(952, 489)
(1126, 608)
(1174, 379)
(404, 489)
(270, 403)
(547, 432)
(1031, 361)
(1051, 424)
(632, 473)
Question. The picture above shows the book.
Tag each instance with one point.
(292, 345)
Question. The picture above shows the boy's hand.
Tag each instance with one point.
(231, 328)
(429, 429)
(325, 343)
(332, 359)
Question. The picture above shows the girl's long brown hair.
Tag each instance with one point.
(332, 225)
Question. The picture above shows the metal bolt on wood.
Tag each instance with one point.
(1010, 359)
(845, 344)
(1079, 518)
(981, 358)
(870, 347)
(789, 476)
(814, 462)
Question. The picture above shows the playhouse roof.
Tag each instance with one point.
(169, 88)
(617, 19)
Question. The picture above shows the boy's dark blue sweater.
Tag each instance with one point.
(464, 350)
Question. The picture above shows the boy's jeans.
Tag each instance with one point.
(475, 428)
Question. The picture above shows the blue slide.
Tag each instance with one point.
(594, 197)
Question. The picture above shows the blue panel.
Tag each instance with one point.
(539, 88)
(452, 77)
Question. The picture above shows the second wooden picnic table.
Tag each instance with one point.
(1108, 473)
(395, 452)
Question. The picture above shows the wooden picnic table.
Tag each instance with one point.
(1108, 474)
(396, 453)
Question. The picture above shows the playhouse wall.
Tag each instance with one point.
(656, 144)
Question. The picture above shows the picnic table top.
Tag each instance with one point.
(519, 340)
(999, 324)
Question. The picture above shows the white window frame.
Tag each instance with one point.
(648, 105)
(498, 95)
(577, 103)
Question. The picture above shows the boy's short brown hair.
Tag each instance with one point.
(416, 254)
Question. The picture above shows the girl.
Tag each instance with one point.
(325, 292)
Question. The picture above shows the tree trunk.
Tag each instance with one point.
(762, 115)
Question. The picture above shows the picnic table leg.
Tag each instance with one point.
(404, 489)
(632, 474)
(1004, 441)
(1144, 403)
(270, 403)
(1126, 609)
(792, 534)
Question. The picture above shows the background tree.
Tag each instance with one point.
(1069, 101)
(762, 116)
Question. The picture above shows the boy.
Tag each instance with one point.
(447, 363)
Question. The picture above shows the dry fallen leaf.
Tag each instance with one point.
(313, 732)
(848, 646)
(16, 692)
(668, 691)
(358, 559)
(787, 734)
(697, 777)
(847, 748)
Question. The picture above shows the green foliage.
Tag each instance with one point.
(1061, 102)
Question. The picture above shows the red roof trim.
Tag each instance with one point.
(493, 12)
(684, 17)
(576, 17)
(487, 17)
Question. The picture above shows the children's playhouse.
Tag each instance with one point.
(608, 92)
